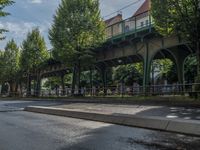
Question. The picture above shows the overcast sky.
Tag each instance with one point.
(27, 14)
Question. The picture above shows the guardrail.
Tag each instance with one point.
(131, 25)
(118, 91)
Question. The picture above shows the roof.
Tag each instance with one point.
(109, 21)
(146, 6)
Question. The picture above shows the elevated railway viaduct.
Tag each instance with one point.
(131, 41)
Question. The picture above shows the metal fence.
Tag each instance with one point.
(128, 91)
(131, 25)
(116, 91)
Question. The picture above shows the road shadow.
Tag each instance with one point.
(187, 113)
(115, 137)
(23, 104)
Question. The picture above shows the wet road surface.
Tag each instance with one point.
(187, 113)
(21, 130)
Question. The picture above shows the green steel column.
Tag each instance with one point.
(180, 57)
(104, 79)
(38, 86)
(91, 81)
(180, 70)
(105, 82)
(63, 84)
(146, 74)
(28, 85)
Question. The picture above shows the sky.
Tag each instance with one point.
(27, 14)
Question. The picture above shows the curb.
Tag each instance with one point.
(189, 127)
(161, 102)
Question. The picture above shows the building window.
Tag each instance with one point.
(126, 28)
(147, 22)
(142, 24)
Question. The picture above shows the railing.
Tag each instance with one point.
(131, 25)
(119, 91)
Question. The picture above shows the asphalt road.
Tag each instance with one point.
(187, 113)
(21, 130)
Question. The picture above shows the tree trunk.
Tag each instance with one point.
(91, 81)
(57, 92)
(21, 88)
(79, 78)
(63, 84)
(104, 79)
(38, 87)
(11, 93)
(198, 57)
(74, 80)
(28, 85)
(12, 88)
(35, 87)
(1, 85)
(197, 79)
(16, 89)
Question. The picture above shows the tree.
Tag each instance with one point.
(164, 69)
(76, 31)
(10, 65)
(52, 82)
(181, 17)
(1, 69)
(128, 74)
(190, 69)
(1, 66)
(34, 52)
(3, 4)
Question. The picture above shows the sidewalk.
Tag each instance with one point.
(172, 119)
(160, 100)
(139, 110)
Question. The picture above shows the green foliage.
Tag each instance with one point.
(85, 78)
(1, 66)
(34, 51)
(96, 78)
(3, 4)
(128, 73)
(76, 31)
(181, 17)
(162, 17)
(162, 66)
(190, 69)
(54, 82)
(165, 68)
(177, 16)
(10, 62)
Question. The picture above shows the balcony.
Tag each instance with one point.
(130, 26)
